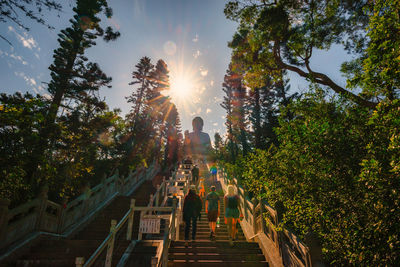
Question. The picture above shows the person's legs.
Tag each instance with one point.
(213, 225)
(229, 225)
(194, 227)
(234, 229)
(187, 229)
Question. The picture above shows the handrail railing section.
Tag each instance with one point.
(157, 203)
(43, 215)
(260, 223)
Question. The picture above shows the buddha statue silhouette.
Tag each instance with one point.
(197, 143)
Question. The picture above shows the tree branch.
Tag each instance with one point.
(320, 78)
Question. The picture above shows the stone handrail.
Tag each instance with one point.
(161, 259)
(43, 215)
(281, 248)
(127, 220)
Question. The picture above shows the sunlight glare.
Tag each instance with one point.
(181, 87)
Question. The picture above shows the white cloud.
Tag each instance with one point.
(37, 55)
(14, 56)
(26, 40)
(212, 83)
(47, 96)
(28, 80)
(215, 124)
(196, 38)
(197, 54)
(198, 111)
(208, 110)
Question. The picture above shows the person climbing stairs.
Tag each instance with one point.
(216, 251)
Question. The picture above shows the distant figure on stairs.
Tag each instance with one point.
(195, 174)
(212, 210)
(232, 212)
(191, 212)
(197, 143)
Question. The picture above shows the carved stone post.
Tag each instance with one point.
(280, 210)
(4, 203)
(158, 192)
(63, 212)
(88, 192)
(164, 187)
(262, 210)
(130, 221)
(110, 247)
(79, 261)
(42, 197)
(255, 229)
(314, 248)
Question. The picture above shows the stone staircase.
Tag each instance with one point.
(63, 252)
(217, 252)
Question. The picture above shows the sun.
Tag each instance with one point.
(181, 86)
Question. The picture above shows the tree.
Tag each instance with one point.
(72, 78)
(21, 117)
(9, 10)
(227, 104)
(141, 76)
(282, 35)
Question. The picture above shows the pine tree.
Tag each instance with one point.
(142, 77)
(228, 105)
(72, 75)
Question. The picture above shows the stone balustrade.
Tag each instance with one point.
(281, 248)
(43, 215)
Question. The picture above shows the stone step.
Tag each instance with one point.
(216, 256)
(207, 243)
(214, 249)
(186, 263)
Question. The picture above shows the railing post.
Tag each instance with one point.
(158, 195)
(4, 203)
(255, 230)
(151, 202)
(130, 221)
(164, 187)
(110, 247)
(87, 192)
(173, 228)
(140, 219)
(61, 218)
(79, 261)
(262, 210)
(42, 206)
(154, 261)
(314, 249)
(280, 210)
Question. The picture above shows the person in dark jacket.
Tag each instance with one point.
(191, 212)
(195, 175)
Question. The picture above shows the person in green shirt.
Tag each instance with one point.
(212, 210)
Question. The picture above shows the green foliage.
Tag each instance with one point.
(274, 36)
(337, 172)
(336, 164)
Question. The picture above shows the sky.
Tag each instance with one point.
(190, 36)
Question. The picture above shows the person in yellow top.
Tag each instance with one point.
(202, 191)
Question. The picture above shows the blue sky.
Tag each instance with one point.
(191, 36)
